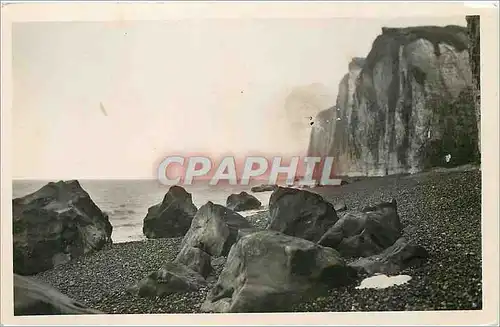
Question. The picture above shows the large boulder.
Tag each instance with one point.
(393, 111)
(300, 213)
(33, 297)
(172, 217)
(242, 201)
(365, 233)
(214, 229)
(401, 255)
(55, 224)
(269, 271)
(170, 278)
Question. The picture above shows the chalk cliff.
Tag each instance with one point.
(474, 27)
(405, 107)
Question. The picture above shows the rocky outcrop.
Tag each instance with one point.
(242, 201)
(264, 188)
(214, 229)
(55, 224)
(268, 271)
(401, 255)
(300, 213)
(171, 278)
(322, 132)
(474, 28)
(365, 233)
(33, 297)
(328, 131)
(408, 107)
(172, 217)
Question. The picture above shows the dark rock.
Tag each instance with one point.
(33, 297)
(242, 202)
(171, 278)
(264, 188)
(214, 229)
(300, 213)
(267, 271)
(172, 217)
(393, 260)
(195, 259)
(365, 233)
(55, 224)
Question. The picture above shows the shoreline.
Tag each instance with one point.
(442, 214)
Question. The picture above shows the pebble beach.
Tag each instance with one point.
(440, 211)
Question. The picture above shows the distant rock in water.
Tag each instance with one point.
(172, 217)
(242, 201)
(268, 271)
(365, 233)
(264, 188)
(300, 213)
(32, 297)
(404, 107)
(55, 224)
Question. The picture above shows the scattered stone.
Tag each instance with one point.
(172, 217)
(267, 271)
(393, 260)
(300, 213)
(242, 201)
(365, 233)
(171, 278)
(33, 297)
(55, 224)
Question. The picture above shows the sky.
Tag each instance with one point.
(113, 99)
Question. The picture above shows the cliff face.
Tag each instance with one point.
(303, 102)
(407, 106)
(327, 122)
(473, 25)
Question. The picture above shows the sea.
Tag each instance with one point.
(127, 201)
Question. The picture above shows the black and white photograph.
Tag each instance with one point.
(218, 165)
